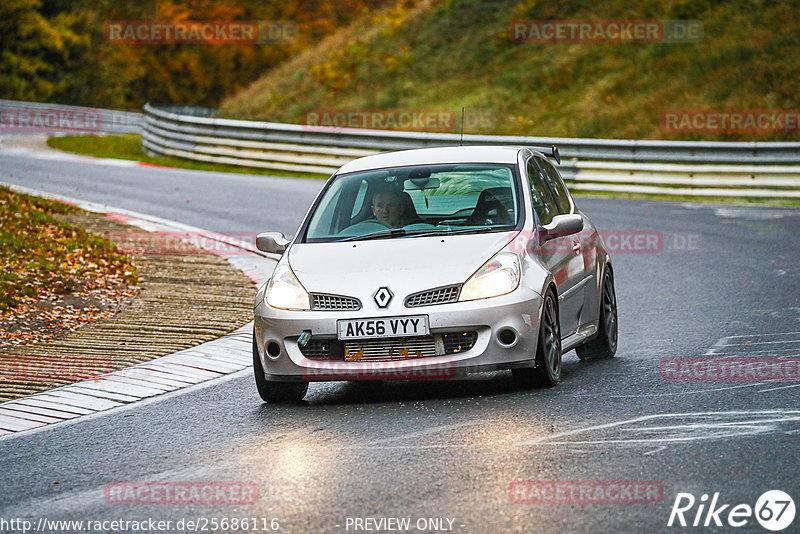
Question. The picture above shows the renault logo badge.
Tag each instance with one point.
(382, 297)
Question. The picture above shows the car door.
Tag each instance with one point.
(583, 240)
(561, 256)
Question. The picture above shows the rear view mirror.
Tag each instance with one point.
(413, 184)
(272, 242)
(560, 226)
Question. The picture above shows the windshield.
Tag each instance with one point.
(416, 201)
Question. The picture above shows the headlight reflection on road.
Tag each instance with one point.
(292, 467)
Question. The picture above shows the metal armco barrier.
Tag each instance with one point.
(17, 117)
(746, 169)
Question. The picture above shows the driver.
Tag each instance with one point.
(388, 207)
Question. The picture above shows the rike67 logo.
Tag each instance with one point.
(774, 510)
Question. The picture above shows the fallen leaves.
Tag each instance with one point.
(54, 277)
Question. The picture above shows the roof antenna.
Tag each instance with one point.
(462, 126)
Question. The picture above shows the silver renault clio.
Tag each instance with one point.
(430, 264)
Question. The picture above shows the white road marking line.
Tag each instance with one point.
(745, 345)
(781, 387)
(739, 353)
(783, 416)
(680, 393)
(749, 337)
(411, 435)
(587, 429)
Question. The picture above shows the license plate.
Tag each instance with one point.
(414, 325)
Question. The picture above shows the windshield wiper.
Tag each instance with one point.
(380, 234)
(473, 230)
(400, 232)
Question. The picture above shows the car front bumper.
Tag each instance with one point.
(518, 312)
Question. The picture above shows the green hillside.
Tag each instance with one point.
(448, 54)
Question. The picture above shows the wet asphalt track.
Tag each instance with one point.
(453, 449)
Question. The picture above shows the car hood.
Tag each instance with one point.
(404, 265)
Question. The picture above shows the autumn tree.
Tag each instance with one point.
(56, 50)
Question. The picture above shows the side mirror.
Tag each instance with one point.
(560, 226)
(272, 242)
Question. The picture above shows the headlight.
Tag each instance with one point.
(285, 292)
(498, 276)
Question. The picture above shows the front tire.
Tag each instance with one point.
(547, 372)
(275, 392)
(604, 345)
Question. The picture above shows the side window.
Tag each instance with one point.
(553, 179)
(543, 203)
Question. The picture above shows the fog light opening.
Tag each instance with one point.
(273, 349)
(507, 337)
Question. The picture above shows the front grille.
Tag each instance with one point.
(390, 349)
(441, 295)
(384, 350)
(323, 302)
(459, 341)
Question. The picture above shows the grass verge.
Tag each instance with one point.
(779, 202)
(42, 254)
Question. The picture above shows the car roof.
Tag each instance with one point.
(431, 156)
